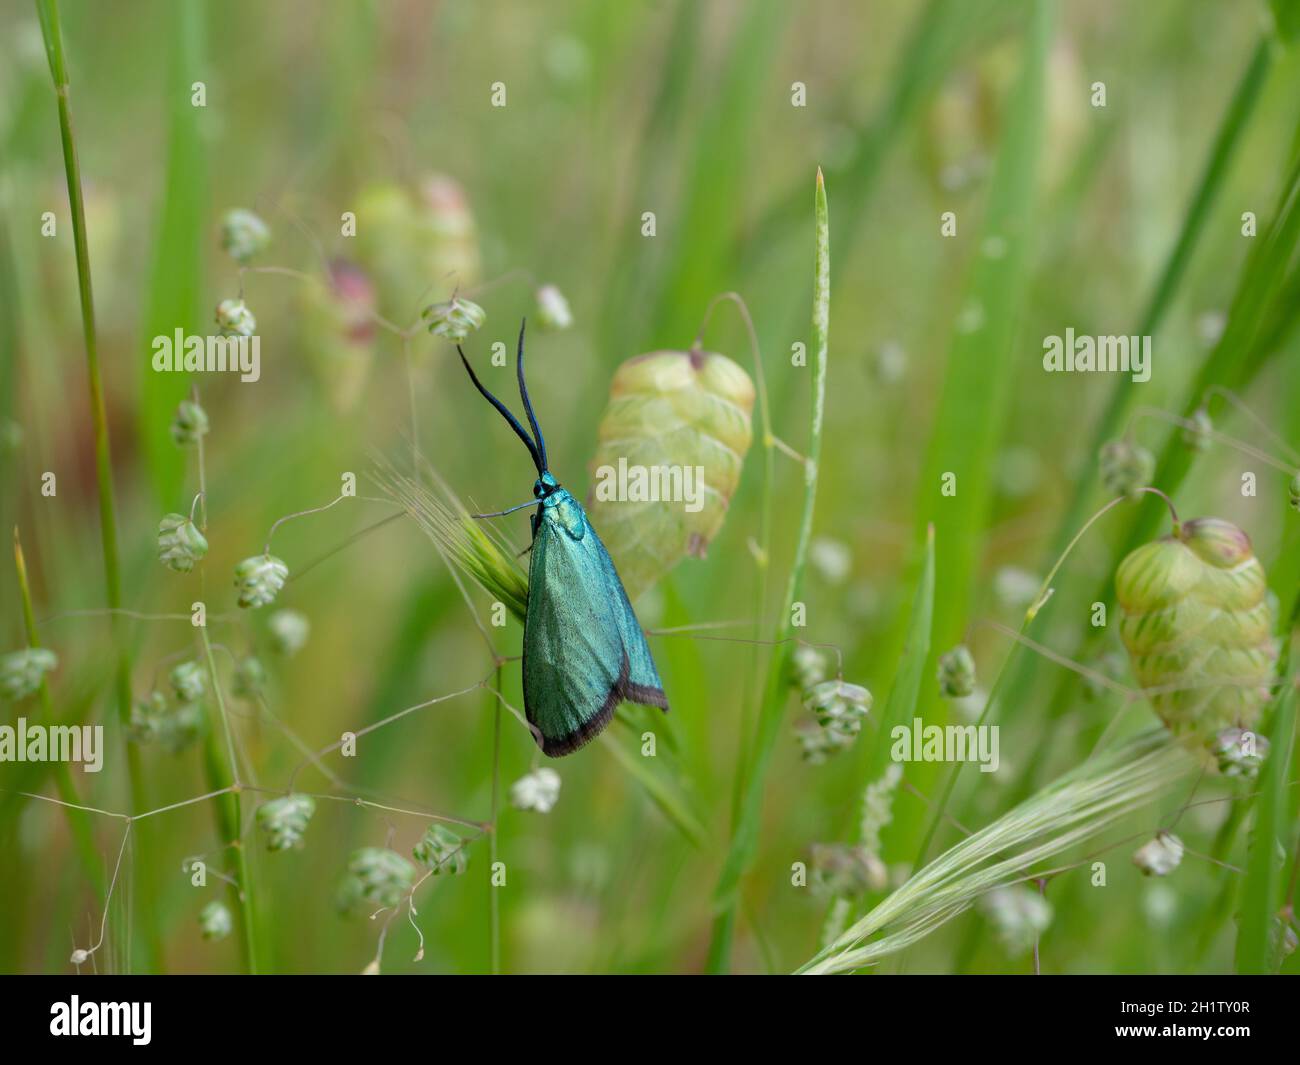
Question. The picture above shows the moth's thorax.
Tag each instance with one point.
(560, 508)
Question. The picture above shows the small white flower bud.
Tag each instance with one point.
(538, 790)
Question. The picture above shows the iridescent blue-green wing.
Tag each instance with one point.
(643, 684)
(584, 652)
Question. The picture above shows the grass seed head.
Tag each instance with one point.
(180, 544)
(243, 235)
(216, 920)
(189, 424)
(441, 851)
(289, 631)
(234, 319)
(553, 313)
(1126, 468)
(21, 672)
(189, 681)
(259, 580)
(957, 672)
(454, 319)
(284, 820)
(1159, 856)
(376, 877)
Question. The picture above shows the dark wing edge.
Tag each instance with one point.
(622, 690)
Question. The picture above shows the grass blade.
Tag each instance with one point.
(744, 841)
(176, 277)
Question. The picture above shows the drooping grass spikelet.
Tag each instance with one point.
(463, 541)
(1069, 811)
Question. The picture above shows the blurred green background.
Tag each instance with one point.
(684, 109)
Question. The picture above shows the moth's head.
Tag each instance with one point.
(544, 485)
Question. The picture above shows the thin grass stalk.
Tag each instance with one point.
(48, 13)
(230, 814)
(1263, 888)
(744, 841)
(78, 821)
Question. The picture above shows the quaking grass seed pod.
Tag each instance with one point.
(21, 672)
(284, 820)
(441, 851)
(1197, 619)
(674, 417)
(376, 877)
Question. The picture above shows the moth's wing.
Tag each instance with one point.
(584, 652)
(643, 684)
(573, 652)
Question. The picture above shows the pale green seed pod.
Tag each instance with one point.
(190, 423)
(538, 790)
(1159, 856)
(21, 672)
(243, 235)
(455, 319)
(146, 718)
(250, 678)
(1019, 915)
(839, 708)
(553, 313)
(182, 727)
(677, 425)
(376, 878)
(234, 319)
(842, 870)
(259, 580)
(817, 744)
(1197, 435)
(189, 681)
(1240, 752)
(441, 851)
(216, 920)
(284, 820)
(339, 331)
(1126, 468)
(957, 673)
(180, 544)
(807, 667)
(1196, 615)
(289, 631)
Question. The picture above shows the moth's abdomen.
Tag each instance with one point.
(1198, 624)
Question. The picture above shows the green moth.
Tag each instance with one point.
(584, 650)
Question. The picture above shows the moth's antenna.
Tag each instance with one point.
(505, 413)
(523, 392)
